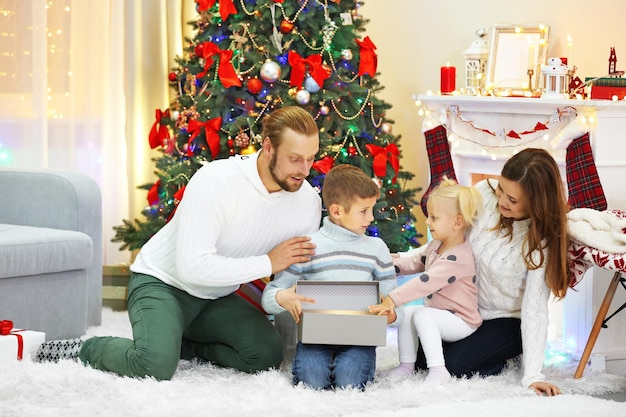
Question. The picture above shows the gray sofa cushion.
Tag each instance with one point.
(26, 250)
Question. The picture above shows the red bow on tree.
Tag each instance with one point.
(382, 155)
(369, 60)
(299, 66)
(153, 193)
(225, 71)
(226, 7)
(211, 128)
(324, 165)
(159, 133)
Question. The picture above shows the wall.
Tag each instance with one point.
(416, 37)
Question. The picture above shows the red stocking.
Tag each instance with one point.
(439, 159)
(583, 184)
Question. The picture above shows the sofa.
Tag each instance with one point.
(50, 251)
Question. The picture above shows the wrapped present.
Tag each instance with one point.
(17, 344)
(340, 314)
(605, 88)
(115, 286)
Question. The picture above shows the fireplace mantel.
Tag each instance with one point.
(478, 128)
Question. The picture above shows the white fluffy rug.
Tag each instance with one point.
(68, 388)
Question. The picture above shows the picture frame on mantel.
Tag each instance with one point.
(515, 50)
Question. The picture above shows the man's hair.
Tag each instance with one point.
(346, 182)
(290, 117)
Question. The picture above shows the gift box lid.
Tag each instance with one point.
(339, 295)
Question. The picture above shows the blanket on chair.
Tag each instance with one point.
(599, 229)
(597, 238)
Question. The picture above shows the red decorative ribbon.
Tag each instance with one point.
(324, 165)
(159, 134)
(226, 71)
(153, 193)
(382, 155)
(6, 329)
(211, 127)
(226, 7)
(368, 60)
(300, 65)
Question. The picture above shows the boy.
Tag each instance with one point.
(343, 252)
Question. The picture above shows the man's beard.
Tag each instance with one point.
(282, 182)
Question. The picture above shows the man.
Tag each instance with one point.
(240, 219)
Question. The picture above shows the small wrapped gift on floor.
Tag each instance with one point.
(17, 344)
(340, 314)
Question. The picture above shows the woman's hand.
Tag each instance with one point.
(545, 388)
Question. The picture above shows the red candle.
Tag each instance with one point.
(448, 79)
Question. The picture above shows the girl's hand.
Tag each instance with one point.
(545, 388)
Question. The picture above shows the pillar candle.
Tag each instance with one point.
(448, 79)
(570, 52)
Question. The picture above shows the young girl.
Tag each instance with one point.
(520, 246)
(448, 282)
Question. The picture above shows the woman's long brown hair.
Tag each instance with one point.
(544, 197)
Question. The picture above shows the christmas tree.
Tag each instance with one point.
(249, 57)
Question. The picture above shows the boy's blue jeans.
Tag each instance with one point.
(334, 366)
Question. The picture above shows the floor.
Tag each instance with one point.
(618, 396)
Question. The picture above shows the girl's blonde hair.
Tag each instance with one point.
(467, 200)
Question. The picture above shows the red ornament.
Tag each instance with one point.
(254, 85)
(286, 26)
(351, 151)
(171, 76)
(199, 49)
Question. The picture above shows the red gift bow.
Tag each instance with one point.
(323, 165)
(226, 71)
(159, 132)
(369, 60)
(299, 66)
(381, 155)
(210, 133)
(226, 7)
(6, 329)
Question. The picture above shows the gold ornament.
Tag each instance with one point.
(248, 150)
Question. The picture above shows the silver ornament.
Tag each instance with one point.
(311, 85)
(303, 97)
(270, 71)
(346, 54)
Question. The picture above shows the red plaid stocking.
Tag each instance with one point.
(252, 292)
(583, 184)
(439, 159)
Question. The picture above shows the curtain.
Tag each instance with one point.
(79, 83)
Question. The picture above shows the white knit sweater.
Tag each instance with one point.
(506, 288)
(224, 227)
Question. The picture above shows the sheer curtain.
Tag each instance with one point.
(79, 82)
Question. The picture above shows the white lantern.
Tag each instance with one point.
(555, 76)
(475, 60)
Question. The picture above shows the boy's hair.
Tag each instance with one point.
(466, 200)
(290, 117)
(344, 183)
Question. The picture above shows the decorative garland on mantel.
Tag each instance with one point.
(561, 133)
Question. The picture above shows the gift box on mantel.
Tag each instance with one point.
(340, 314)
(606, 87)
(17, 344)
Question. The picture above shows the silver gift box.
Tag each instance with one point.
(340, 314)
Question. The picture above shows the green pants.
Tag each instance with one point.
(169, 324)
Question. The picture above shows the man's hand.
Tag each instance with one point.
(292, 302)
(291, 251)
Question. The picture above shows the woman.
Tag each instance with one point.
(520, 248)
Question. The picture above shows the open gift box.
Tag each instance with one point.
(340, 314)
(17, 344)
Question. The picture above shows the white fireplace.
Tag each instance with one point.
(485, 131)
